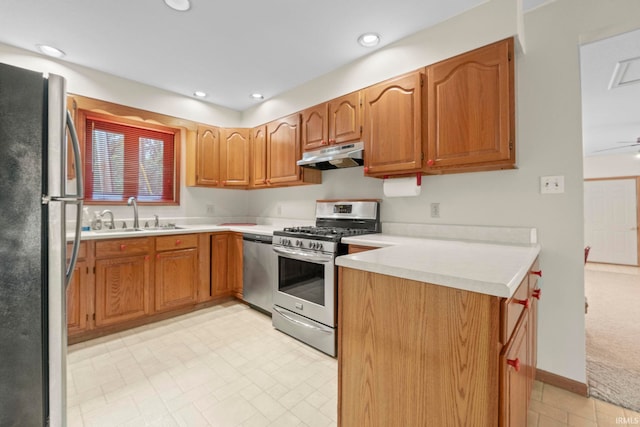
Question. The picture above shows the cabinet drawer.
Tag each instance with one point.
(82, 252)
(123, 247)
(176, 241)
(512, 309)
(534, 274)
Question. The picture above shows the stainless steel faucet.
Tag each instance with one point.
(111, 225)
(130, 202)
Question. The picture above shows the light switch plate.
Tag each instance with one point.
(552, 184)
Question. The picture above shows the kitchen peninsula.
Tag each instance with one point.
(436, 332)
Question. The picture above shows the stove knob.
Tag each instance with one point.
(319, 246)
(299, 243)
(313, 245)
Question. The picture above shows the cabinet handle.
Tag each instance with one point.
(430, 162)
(537, 293)
(123, 247)
(178, 242)
(537, 273)
(515, 363)
(524, 302)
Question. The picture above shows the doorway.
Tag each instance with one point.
(611, 144)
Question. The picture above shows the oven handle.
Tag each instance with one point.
(298, 322)
(303, 256)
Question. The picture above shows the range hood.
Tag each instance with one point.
(339, 156)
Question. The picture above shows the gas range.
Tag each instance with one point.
(334, 220)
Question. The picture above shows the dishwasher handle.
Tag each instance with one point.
(257, 238)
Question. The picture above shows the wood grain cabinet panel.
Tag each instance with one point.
(176, 279)
(208, 156)
(259, 156)
(345, 118)
(283, 150)
(78, 294)
(393, 126)
(234, 157)
(122, 289)
(220, 284)
(418, 354)
(315, 127)
(470, 109)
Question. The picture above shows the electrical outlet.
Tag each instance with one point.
(552, 184)
(435, 210)
(210, 209)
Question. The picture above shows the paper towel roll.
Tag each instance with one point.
(401, 187)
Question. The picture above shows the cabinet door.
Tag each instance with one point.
(345, 118)
(208, 156)
(176, 279)
(514, 396)
(234, 157)
(122, 289)
(283, 150)
(235, 264)
(259, 157)
(219, 265)
(77, 312)
(315, 127)
(393, 126)
(470, 108)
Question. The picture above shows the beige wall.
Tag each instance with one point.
(548, 143)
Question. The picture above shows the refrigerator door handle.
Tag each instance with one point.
(76, 156)
(77, 201)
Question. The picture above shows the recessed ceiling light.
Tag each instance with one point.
(369, 39)
(179, 5)
(257, 96)
(200, 94)
(50, 51)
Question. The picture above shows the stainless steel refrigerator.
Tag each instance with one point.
(34, 271)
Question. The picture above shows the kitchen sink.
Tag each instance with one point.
(164, 227)
(118, 230)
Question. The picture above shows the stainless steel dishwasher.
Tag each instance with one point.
(259, 271)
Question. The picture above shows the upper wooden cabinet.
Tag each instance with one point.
(208, 156)
(234, 157)
(283, 150)
(393, 126)
(470, 109)
(333, 122)
(259, 156)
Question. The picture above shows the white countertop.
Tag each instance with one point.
(184, 229)
(487, 268)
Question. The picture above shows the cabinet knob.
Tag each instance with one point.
(332, 141)
(537, 293)
(123, 247)
(158, 256)
(366, 169)
(224, 182)
(146, 257)
(268, 181)
(178, 242)
(323, 142)
(524, 302)
(515, 363)
(537, 273)
(430, 162)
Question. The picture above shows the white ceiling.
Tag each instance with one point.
(610, 117)
(226, 48)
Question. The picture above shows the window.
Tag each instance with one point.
(124, 158)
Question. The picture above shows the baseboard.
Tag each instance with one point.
(562, 382)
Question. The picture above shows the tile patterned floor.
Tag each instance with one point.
(225, 366)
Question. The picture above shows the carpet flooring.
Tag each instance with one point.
(613, 334)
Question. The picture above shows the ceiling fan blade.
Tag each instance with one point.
(617, 148)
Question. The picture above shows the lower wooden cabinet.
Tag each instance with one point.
(122, 289)
(77, 295)
(122, 283)
(176, 272)
(418, 354)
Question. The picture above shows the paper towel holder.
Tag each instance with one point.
(418, 178)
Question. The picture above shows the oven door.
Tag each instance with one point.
(306, 284)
